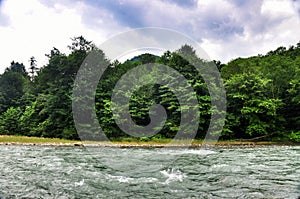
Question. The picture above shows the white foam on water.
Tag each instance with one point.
(173, 175)
(143, 180)
(201, 152)
(219, 165)
(79, 184)
(120, 178)
(124, 179)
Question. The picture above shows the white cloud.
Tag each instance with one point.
(225, 29)
(276, 8)
(267, 29)
(35, 28)
(228, 29)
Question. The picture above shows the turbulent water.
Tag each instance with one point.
(74, 172)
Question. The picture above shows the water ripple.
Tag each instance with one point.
(66, 172)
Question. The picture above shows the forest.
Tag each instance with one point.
(262, 92)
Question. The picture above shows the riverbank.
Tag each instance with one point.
(128, 143)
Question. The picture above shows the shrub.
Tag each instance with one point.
(295, 137)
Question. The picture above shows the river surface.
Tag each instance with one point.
(77, 172)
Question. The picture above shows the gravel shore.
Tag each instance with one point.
(225, 144)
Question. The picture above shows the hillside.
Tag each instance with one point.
(263, 95)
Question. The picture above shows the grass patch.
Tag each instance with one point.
(35, 140)
(131, 142)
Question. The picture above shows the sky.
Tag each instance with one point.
(225, 29)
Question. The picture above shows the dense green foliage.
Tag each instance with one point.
(263, 95)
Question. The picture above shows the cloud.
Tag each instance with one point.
(269, 25)
(126, 13)
(36, 27)
(226, 29)
(229, 29)
(186, 3)
(3, 16)
(33, 30)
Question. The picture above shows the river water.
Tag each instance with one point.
(77, 172)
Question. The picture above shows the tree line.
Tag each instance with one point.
(263, 95)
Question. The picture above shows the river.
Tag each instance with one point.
(104, 172)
